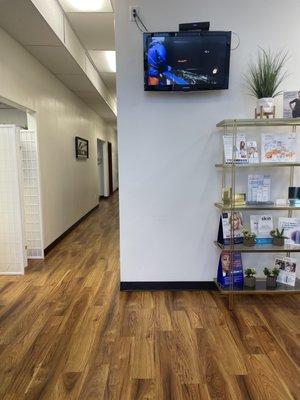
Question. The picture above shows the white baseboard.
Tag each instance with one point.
(11, 273)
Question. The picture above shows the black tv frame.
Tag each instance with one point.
(187, 88)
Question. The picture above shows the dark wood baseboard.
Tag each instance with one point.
(61, 237)
(153, 286)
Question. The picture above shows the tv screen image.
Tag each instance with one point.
(186, 61)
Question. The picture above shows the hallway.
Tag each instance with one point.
(67, 333)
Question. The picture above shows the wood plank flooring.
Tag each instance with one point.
(66, 332)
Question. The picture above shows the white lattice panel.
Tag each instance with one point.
(12, 246)
(31, 198)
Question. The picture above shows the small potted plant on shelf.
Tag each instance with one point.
(271, 275)
(264, 79)
(250, 280)
(278, 237)
(249, 238)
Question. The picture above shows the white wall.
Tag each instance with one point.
(11, 116)
(168, 142)
(69, 187)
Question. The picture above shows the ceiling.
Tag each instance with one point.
(38, 38)
(95, 30)
(93, 22)
(86, 5)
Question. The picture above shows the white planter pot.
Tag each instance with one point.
(267, 104)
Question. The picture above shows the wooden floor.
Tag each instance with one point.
(66, 332)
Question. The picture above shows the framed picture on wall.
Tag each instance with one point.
(81, 148)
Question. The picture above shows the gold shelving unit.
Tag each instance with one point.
(232, 125)
(240, 207)
(260, 288)
(240, 248)
(259, 165)
(259, 122)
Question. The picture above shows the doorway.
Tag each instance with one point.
(21, 236)
(101, 168)
(110, 169)
(105, 168)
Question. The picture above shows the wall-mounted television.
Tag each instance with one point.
(184, 61)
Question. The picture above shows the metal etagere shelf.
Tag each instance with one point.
(231, 126)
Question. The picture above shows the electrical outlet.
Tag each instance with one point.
(131, 12)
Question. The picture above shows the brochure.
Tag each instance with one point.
(252, 152)
(226, 222)
(291, 228)
(278, 147)
(291, 104)
(240, 149)
(259, 189)
(262, 225)
(228, 273)
(287, 266)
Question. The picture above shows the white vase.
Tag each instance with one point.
(267, 104)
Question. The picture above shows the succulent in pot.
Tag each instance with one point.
(278, 237)
(265, 77)
(249, 238)
(271, 277)
(249, 280)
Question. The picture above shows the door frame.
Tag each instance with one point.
(33, 126)
(110, 169)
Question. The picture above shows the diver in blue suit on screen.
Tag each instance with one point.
(159, 72)
(157, 62)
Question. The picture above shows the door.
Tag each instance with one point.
(100, 163)
(110, 168)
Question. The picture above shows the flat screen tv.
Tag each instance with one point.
(185, 61)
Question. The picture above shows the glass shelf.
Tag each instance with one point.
(259, 122)
(259, 165)
(232, 127)
(223, 207)
(262, 248)
(260, 288)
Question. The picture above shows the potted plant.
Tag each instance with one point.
(278, 237)
(249, 238)
(265, 77)
(271, 275)
(250, 280)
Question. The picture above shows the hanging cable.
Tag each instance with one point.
(144, 26)
(136, 19)
(238, 43)
(138, 26)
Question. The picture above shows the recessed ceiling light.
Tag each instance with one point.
(87, 5)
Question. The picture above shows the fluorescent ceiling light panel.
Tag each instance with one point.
(111, 60)
(86, 5)
(105, 61)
